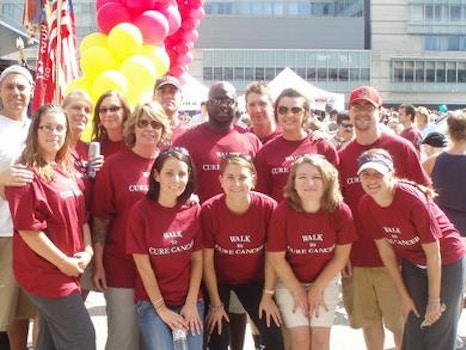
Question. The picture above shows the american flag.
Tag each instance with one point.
(57, 64)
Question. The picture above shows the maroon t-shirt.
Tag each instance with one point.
(121, 182)
(108, 147)
(412, 219)
(413, 135)
(309, 239)
(275, 158)
(364, 252)
(208, 147)
(169, 236)
(238, 240)
(56, 208)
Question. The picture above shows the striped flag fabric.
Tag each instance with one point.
(57, 64)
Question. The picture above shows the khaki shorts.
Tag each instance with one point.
(285, 302)
(370, 296)
(14, 303)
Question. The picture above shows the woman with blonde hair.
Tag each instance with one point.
(121, 182)
(52, 241)
(309, 243)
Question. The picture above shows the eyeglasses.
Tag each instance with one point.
(144, 123)
(294, 110)
(223, 101)
(347, 126)
(50, 129)
(111, 109)
(363, 108)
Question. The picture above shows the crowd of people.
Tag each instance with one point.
(184, 226)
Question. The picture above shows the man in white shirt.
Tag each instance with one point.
(16, 84)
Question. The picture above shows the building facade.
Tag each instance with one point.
(413, 51)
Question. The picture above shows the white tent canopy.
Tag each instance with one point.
(287, 78)
(193, 93)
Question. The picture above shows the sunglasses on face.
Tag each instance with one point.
(144, 123)
(347, 126)
(294, 110)
(111, 109)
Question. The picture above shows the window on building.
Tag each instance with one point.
(218, 73)
(432, 43)
(454, 43)
(311, 74)
(398, 71)
(207, 73)
(455, 13)
(420, 72)
(433, 13)
(461, 72)
(451, 72)
(322, 74)
(430, 71)
(440, 73)
(228, 73)
(260, 73)
(409, 71)
(239, 73)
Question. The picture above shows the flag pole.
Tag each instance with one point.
(58, 54)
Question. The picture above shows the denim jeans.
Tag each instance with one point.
(157, 334)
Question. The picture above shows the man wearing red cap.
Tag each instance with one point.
(370, 296)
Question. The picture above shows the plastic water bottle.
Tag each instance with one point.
(179, 340)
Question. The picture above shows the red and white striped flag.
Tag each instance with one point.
(57, 64)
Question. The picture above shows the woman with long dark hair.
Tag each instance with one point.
(165, 238)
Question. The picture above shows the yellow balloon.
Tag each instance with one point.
(86, 135)
(93, 39)
(110, 80)
(158, 56)
(81, 83)
(96, 60)
(124, 40)
(139, 69)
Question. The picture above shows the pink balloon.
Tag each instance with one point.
(198, 13)
(173, 16)
(111, 14)
(194, 4)
(100, 3)
(177, 70)
(190, 23)
(138, 7)
(192, 35)
(182, 47)
(185, 59)
(153, 26)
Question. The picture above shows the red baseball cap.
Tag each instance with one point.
(366, 93)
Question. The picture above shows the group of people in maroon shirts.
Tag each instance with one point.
(176, 220)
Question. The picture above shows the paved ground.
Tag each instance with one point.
(343, 337)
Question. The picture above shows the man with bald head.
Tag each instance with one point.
(209, 142)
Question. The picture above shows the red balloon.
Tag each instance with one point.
(111, 14)
(100, 3)
(153, 26)
(192, 35)
(198, 13)
(173, 16)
